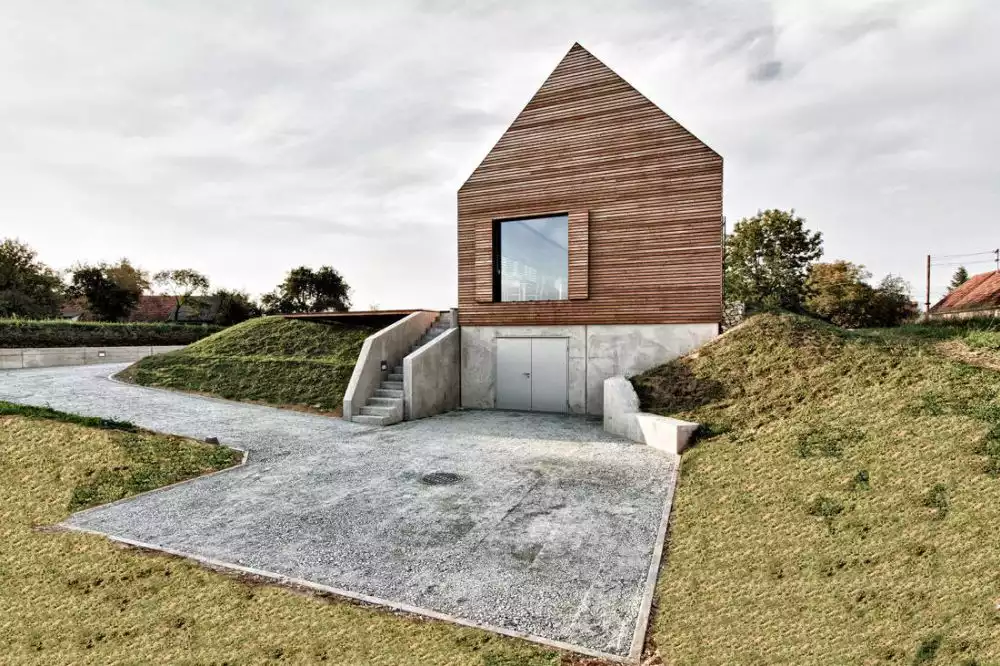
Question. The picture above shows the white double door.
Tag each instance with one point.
(532, 374)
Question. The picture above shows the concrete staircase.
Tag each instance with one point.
(386, 406)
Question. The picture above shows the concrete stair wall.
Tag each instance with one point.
(385, 407)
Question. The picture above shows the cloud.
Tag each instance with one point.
(244, 138)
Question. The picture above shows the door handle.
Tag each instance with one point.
(526, 374)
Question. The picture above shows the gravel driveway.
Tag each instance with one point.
(550, 528)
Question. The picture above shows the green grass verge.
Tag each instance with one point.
(59, 333)
(72, 598)
(842, 504)
(273, 360)
(13, 409)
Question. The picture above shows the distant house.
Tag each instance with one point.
(153, 308)
(979, 296)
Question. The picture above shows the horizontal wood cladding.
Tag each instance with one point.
(643, 194)
(483, 230)
(579, 254)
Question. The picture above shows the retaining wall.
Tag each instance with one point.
(431, 376)
(48, 357)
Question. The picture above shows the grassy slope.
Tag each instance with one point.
(844, 507)
(271, 359)
(62, 333)
(74, 598)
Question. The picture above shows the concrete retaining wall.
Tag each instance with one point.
(388, 345)
(623, 417)
(431, 377)
(48, 357)
(596, 352)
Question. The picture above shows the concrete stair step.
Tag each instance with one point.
(398, 370)
(379, 401)
(389, 393)
(395, 377)
(370, 420)
(392, 386)
(377, 410)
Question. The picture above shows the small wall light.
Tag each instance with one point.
(101, 354)
(385, 366)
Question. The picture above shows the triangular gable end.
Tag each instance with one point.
(579, 76)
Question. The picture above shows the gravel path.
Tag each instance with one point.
(549, 532)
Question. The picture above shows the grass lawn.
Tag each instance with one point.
(273, 360)
(843, 506)
(70, 598)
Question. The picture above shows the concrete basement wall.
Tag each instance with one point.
(49, 357)
(431, 376)
(389, 345)
(596, 352)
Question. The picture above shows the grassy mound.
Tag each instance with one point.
(273, 360)
(72, 598)
(843, 502)
(60, 333)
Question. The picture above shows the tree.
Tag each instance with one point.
(184, 284)
(960, 277)
(112, 290)
(892, 304)
(28, 288)
(767, 257)
(839, 293)
(306, 290)
(234, 307)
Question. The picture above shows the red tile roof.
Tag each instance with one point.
(979, 292)
(153, 308)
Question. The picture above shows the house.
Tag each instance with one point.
(160, 308)
(589, 245)
(979, 296)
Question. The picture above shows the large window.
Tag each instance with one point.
(531, 259)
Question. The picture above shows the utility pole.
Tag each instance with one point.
(996, 254)
(927, 303)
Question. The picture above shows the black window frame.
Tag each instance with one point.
(497, 278)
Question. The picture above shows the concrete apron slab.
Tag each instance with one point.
(553, 531)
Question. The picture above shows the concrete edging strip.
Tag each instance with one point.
(645, 607)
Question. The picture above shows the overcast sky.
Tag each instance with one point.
(243, 138)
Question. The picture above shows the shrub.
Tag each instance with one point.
(57, 333)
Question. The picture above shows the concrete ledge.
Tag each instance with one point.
(49, 357)
(389, 345)
(622, 417)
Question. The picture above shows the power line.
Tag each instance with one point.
(965, 263)
(967, 254)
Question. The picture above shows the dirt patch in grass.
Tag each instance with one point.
(845, 511)
(961, 351)
(67, 597)
(271, 360)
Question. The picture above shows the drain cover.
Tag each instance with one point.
(439, 478)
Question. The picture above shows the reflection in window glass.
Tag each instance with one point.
(534, 259)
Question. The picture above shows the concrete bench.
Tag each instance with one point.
(623, 417)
